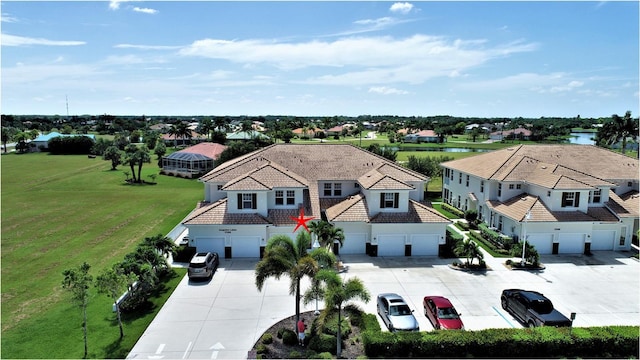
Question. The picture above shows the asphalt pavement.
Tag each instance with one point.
(224, 317)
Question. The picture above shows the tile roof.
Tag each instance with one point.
(517, 207)
(418, 213)
(354, 208)
(518, 162)
(625, 205)
(208, 149)
(313, 163)
(266, 177)
(374, 180)
(216, 213)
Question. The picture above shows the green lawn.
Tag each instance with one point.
(58, 211)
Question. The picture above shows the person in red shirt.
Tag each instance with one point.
(301, 328)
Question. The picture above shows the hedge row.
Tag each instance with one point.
(455, 211)
(546, 342)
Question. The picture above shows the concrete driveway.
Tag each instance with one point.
(224, 317)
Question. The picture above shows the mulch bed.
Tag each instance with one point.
(277, 350)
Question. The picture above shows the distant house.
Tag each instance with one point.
(171, 140)
(41, 143)
(301, 132)
(336, 130)
(519, 133)
(246, 136)
(429, 136)
(192, 161)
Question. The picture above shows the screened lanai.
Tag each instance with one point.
(186, 164)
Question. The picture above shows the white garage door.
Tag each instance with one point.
(212, 244)
(354, 244)
(602, 239)
(424, 244)
(571, 243)
(542, 242)
(391, 245)
(245, 246)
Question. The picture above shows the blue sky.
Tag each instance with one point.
(486, 59)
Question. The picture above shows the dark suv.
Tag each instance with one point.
(203, 265)
(532, 308)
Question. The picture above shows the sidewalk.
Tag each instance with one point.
(492, 262)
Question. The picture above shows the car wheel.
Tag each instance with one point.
(531, 324)
(504, 303)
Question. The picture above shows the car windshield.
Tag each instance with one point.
(399, 310)
(197, 265)
(447, 313)
(542, 306)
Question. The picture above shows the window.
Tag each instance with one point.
(291, 197)
(451, 178)
(629, 183)
(356, 185)
(460, 179)
(623, 236)
(219, 187)
(467, 180)
(499, 189)
(570, 199)
(511, 186)
(500, 223)
(247, 201)
(389, 200)
(482, 186)
(279, 197)
(548, 193)
(518, 186)
(595, 196)
(334, 189)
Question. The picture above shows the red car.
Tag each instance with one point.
(441, 313)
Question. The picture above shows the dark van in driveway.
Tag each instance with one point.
(203, 265)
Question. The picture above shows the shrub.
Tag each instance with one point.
(289, 337)
(267, 339)
(293, 354)
(184, 254)
(457, 212)
(279, 333)
(331, 326)
(323, 343)
(471, 215)
(324, 355)
(544, 342)
(261, 349)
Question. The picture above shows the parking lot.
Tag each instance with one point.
(224, 317)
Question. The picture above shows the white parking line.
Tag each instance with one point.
(187, 351)
(502, 316)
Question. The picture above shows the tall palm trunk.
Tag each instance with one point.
(297, 305)
(84, 330)
(339, 345)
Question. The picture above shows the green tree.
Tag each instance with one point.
(470, 250)
(130, 158)
(77, 282)
(6, 136)
(113, 283)
(284, 256)
(163, 244)
(21, 139)
(101, 145)
(327, 233)
(336, 293)
(142, 156)
(173, 131)
(205, 127)
(160, 149)
(619, 129)
(531, 255)
(114, 154)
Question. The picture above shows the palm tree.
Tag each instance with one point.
(205, 127)
(284, 256)
(142, 155)
(131, 158)
(173, 131)
(336, 293)
(618, 130)
(327, 233)
(183, 131)
(470, 250)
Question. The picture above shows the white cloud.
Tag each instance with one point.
(387, 90)
(401, 7)
(145, 10)
(115, 4)
(147, 47)
(14, 40)
(8, 18)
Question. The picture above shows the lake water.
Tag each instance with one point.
(582, 138)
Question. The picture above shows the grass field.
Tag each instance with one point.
(57, 212)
